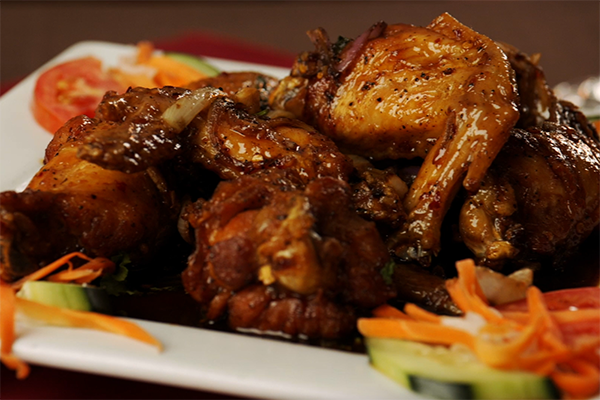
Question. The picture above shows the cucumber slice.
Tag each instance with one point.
(451, 374)
(67, 295)
(194, 62)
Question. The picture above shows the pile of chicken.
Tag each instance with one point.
(315, 198)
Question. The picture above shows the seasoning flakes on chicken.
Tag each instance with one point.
(443, 93)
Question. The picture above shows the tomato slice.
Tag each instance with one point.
(70, 89)
(565, 299)
(575, 333)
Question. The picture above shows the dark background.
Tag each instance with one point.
(566, 33)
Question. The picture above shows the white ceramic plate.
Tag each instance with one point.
(192, 358)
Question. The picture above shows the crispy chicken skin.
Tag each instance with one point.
(293, 248)
(72, 205)
(443, 93)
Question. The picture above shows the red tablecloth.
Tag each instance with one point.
(50, 383)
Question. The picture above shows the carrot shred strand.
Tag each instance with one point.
(7, 332)
(82, 319)
(420, 314)
(86, 273)
(580, 381)
(387, 311)
(48, 269)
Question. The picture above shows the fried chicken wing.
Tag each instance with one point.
(71, 204)
(292, 248)
(541, 196)
(443, 93)
(232, 142)
(142, 127)
(543, 200)
(217, 130)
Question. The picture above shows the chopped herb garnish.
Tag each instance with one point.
(388, 271)
(115, 284)
(339, 45)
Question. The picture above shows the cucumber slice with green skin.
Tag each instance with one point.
(67, 295)
(195, 62)
(439, 372)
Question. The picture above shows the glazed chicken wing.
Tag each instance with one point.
(209, 127)
(541, 197)
(281, 258)
(73, 205)
(443, 93)
(232, 142)
(142, 127)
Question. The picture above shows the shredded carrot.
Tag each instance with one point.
(48, 269)
(468, 274)
(514, 340)
(171, 72)
(421, 315)
(467, 293)
(387, 311)
(144, 52)
(580, 381)
(77, 276)
(7, 332)
(414, 330)
(9, 304)
(80, 319)
(158, 70)
(561, 317)
(86, 271)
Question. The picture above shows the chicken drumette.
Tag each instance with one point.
(277, 257)
(541, 197)
(73, 205)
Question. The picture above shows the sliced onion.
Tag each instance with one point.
(184, 110)
(501, 289)
(354, 48)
